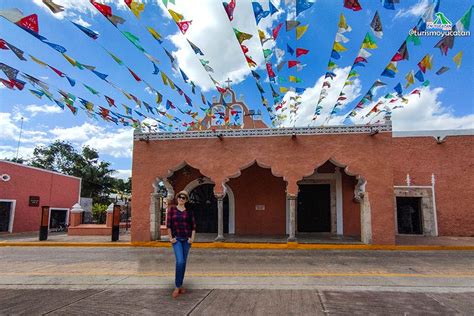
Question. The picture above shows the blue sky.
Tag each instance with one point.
(446, 104)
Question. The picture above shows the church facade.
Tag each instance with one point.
(363, 182)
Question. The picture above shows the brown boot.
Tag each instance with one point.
(175, 293)
(182, 290)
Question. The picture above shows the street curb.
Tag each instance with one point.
(232, 245)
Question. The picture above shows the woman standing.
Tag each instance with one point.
(181, 230)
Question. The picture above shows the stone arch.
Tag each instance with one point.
(228, 191)
(359, 190)
(259, 194)
(260, 163)
(359, 195)
(167, 184)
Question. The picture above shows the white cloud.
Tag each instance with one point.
(38, 138)
(148, 90)
(311, 95)
(117, 143)
(122, 174)
(35, 109)
(18, 116)
(76, 134)
(415, 10)
(221, 49)
(81, 6)
(425, 112)
(114, 142)
(8, 129)
(428, 113)
(80, 21)
(9, 152)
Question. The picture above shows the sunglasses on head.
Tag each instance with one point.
(182, 197)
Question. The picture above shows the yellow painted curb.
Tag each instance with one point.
(232, 245)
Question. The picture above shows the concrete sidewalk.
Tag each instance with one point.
(135, 280)
(231, 302)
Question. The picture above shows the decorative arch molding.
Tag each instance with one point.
(360, 196)
(259, 163)
(227, 190)
(359, 190)
(167, 184)
(181, 165)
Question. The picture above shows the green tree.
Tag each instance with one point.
(99, 213)
(17, 160)
(122, 187)
(60, 156)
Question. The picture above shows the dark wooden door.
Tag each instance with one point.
(204, 205)
(409, 218)
(5, 209)
(314, 209)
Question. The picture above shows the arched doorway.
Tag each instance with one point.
(204, 205)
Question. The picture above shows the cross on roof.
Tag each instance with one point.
(228, 81)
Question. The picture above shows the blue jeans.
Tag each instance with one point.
(181, 249)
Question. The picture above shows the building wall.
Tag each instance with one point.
(55, 190)
(452, 164)
(257, 186)
(293, 158)
(351, 209)
(179, 180)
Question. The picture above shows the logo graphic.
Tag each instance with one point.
(441, 22)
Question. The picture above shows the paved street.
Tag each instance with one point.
(42, 280)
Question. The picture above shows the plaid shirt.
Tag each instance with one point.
(181, 223)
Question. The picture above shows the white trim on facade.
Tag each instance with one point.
(339, 211)
(336, 205)
(263, 132)
(434, 133)
(58, 209)
(39, 169)
(433, 201)
(12, 213)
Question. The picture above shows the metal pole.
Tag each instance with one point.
(126, 220)
(19, 139)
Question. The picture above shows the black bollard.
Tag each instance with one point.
(116, 223)
(43, 233)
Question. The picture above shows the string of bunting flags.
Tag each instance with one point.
(368, 43)
(337, 49)
(424, 64)
(283, 58)
(41, 89)
(293, 63)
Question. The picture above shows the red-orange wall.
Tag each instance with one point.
(257, 186)
(351, 209)
(452, 163)
(55, 190)
(179, 180)
(293, 158)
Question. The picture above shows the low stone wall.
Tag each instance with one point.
(90, 230)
